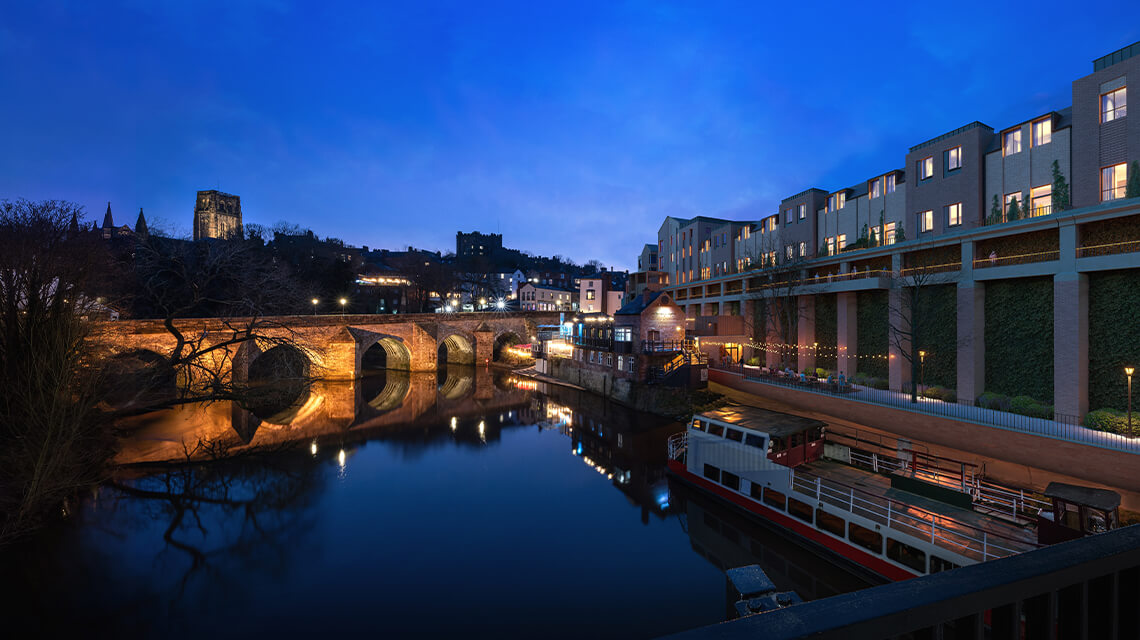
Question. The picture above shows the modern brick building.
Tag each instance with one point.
(979, 206)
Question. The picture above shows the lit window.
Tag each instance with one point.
(1009, 198)
(926, 221)
(840, 201)
(954, 159)
(1042, 132)
(1041, 200)
(1113, 105)
(954, 214)
(790, 251)
(926, 168)
(876, 188)
(803, 249)
(1011, 142)
(891, 183)
(590, 294)
(788, 213)
(831, 246)
(1112, 182)
(803, 211)
(889, 232)
(841, 242)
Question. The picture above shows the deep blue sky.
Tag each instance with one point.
(572, 128)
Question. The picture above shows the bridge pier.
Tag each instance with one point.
(484, 347)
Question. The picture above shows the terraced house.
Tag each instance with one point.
(991, 259)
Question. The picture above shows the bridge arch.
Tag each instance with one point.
(132, 374)
(456, 348)
(387, 352)
(505, 340)
(278, 383)
(387, 390)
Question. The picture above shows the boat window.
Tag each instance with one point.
(712, 473)
(777, 445)
(735, 436)
(830, 523)
(797, 439)
(754, 440)
(730, 480)
(699, 425)
(716, 429)
(799, 510)
(755, 491)
(775, 499)
(1070, 515)
(866, 538)
(906, 555)
(939, 564)
(1095, 522)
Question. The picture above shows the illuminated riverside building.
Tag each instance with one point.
(982, 208)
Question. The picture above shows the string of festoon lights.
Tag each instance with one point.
(785, 348)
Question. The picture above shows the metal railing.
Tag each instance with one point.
(662, 346)
(1109, 249)
(1024, 258)
(1061, 427)
(942, 531)
(934, 268)
(604, 344)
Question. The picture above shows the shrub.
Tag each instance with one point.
(820, 372)
(753, 361)
(940, 393)
(995, 401)
(1110, 420)
(1026, 406)
(879, 383)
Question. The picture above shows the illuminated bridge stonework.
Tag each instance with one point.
(336, 346)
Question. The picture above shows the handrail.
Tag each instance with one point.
(1106, 248)
(1022, 258)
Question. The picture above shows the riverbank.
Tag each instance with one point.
(676, 403)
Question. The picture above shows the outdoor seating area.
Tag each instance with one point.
(831, 384)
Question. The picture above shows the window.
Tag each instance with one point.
(926, 168)
(891, 183)
(621, 363)
(1114, 104)
(799, 510)
(876, 188)
(734, 435)
(926, 221)
(1112, 182)
(712, 473)
(755, 491)
(790, 251)
(730, 480)
(1042, 132)
(590, 294)
(803, 211)
(954, 214)
(623, 334)
(831, 246)
(1009, 198)
(1011, 142)
(906, 555)
(1041, 200)
(836, 202)
(938, 565)
(754, 440)
(866, 538)
(717, 430)
(954, 159)
(841, 241)
(774, 499)
(803, 249)
(889, 232)
(788, 213)
(830, 523)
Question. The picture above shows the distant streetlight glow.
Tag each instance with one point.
(315, 303)
(343, 302)
(1128, 372)
(501, 305)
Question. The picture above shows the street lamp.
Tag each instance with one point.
(921, 370)
(501, 305)
(315, 303)
(1128, 372)
(343, 301)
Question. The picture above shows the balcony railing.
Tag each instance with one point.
(995, 260)
(934, 268)
(1112, 248)
(662, 346)
(602, 344)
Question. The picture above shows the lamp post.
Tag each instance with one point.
(921, 370)
(343, 302)
(1128, 372)
(315, 303)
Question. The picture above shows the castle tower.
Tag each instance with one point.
(141, 229)
(217, 215)
(108, 223)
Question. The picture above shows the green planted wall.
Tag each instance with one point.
(871, 333)
(1019, 338)
(1114, 337)
(826, 334)
(938, 334)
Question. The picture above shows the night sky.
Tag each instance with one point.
(571, 128)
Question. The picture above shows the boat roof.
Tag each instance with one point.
(773, 423)
(1097, 498)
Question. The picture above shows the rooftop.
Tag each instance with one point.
(772, 423)
(1120, 55)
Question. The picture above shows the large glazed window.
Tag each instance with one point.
(1011, 142)
(1114, 104)
(1113, 181)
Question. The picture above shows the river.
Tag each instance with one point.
(472, 503)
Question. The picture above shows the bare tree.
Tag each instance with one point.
(908, 324)
(782, 281)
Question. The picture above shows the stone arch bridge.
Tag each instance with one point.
(341, 347)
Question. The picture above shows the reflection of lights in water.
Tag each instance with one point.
(453, 423)
(559, 413)
(340, 458)
(578, 450)
(313, 448)
(482, 427)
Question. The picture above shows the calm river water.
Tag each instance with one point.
(468, 504)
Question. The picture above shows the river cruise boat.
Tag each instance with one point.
(900, 514)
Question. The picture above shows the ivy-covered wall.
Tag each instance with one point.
(938, 333)
(1114, 337)
(826, 333)
(1019, 337)
(871, 333)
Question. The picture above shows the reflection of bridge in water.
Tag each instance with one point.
(339, 410)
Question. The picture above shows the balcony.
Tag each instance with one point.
(600, 344)
(995, 260)
(1109, 249)
(662, 346)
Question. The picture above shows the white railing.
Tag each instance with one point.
(953, 535)
(1006, 501)
(678, 444)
